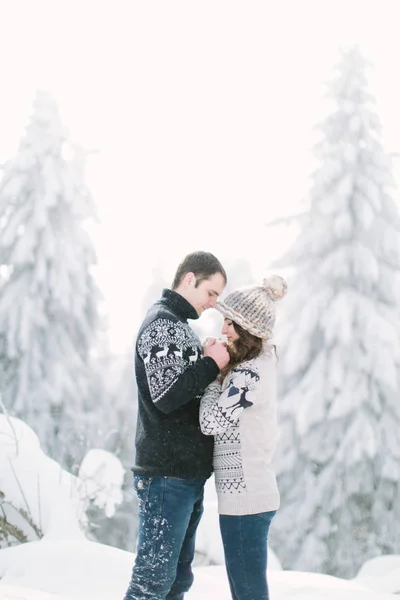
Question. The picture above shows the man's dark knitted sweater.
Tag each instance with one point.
(171, 375)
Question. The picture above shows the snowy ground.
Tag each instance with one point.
(64, 565)
(83, 570)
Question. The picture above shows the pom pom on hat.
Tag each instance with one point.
(275, 286)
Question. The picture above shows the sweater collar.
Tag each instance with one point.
(181, 307)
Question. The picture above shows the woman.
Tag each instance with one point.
(239, 409)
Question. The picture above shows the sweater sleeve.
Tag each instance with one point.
(164, 349)
(221, 407)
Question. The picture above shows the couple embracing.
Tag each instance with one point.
(203, 410)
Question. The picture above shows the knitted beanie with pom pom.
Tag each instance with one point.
(253, 308)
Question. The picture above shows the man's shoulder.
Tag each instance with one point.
(159, 322)
(158, 313)
(162, 328)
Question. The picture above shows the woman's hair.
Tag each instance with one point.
(247, 347)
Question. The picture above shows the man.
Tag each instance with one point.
(173, 458)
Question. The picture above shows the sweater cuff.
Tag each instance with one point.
(211, 368)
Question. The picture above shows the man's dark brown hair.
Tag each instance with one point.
(203, 264)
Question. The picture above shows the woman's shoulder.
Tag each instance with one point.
(269, 352)
(254, 367)
(266, 357)
(263, 362)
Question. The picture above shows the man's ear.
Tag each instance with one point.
(190, 279)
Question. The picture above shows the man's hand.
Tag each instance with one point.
(216, 349)
(209, 341)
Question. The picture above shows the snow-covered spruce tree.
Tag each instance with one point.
(121, 529)
(49, 299)
(339, 454)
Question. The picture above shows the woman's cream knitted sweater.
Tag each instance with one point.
(241, 414)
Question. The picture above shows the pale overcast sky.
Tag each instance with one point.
(202, 114)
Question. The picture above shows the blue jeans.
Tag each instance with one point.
(169, 513)
(245, 547)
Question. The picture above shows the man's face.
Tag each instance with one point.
(205, 295)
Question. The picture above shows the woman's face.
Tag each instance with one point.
(228, 329)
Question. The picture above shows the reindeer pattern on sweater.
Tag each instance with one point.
(167, 349)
